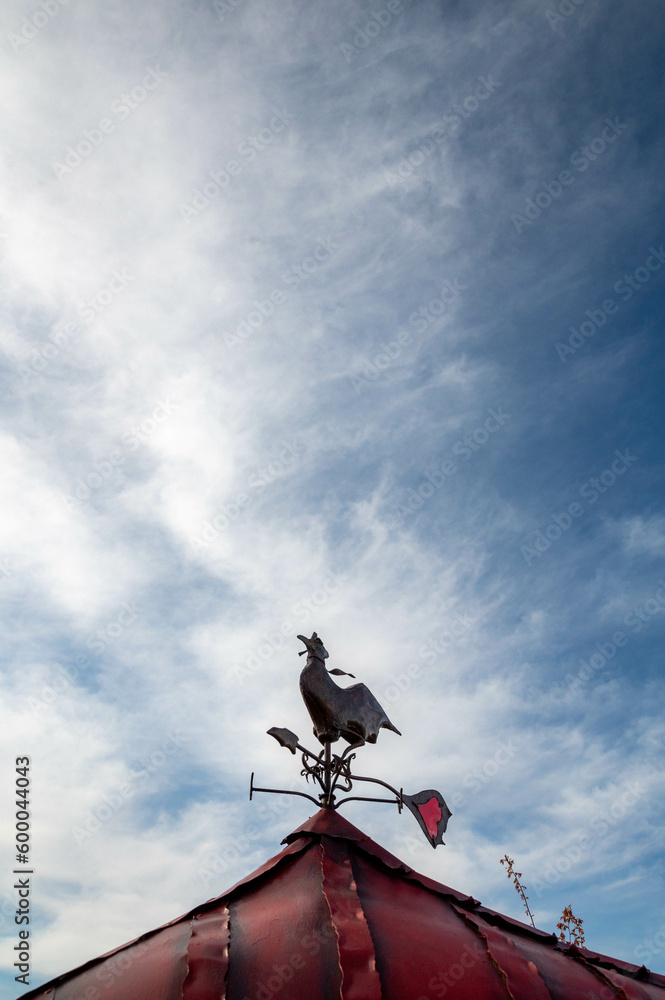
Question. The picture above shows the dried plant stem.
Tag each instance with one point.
(519, 886)
(572, 926)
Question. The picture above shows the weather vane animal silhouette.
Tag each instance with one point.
(352, 713)
(356, 716)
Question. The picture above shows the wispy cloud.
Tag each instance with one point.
(277, 358)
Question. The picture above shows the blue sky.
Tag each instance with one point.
(341, 318)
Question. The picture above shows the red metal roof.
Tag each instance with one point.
(335, 917)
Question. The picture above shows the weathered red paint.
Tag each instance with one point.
(431, 813)
(360, 979)
(207, 955)
(156, 966)
(336, 917)
(521, 975)
(283, 944)
(423, 947)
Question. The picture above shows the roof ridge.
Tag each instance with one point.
(328, 823)
(327, 826)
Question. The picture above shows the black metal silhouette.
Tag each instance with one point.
(352, 713)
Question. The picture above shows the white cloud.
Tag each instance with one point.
(234, 488)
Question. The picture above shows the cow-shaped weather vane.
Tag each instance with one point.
(354, 715)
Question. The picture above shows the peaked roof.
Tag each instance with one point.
(336, 917)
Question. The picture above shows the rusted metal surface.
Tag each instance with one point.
(521, 975)
(282, 939)
(423, 948)
(634, 989)
(152, 969)
(208, 956)
(336, 917)
(565, 977)
(295, 847)
(360, 979)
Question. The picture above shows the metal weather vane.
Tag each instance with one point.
(354, 715)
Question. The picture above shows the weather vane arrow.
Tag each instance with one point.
(354, 715)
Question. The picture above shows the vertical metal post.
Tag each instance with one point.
(327, 775)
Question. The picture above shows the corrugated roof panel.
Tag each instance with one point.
(336, 917)
(423, 948)
(150, 969)
(282, 939)
(207, 956)
(360, 979)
